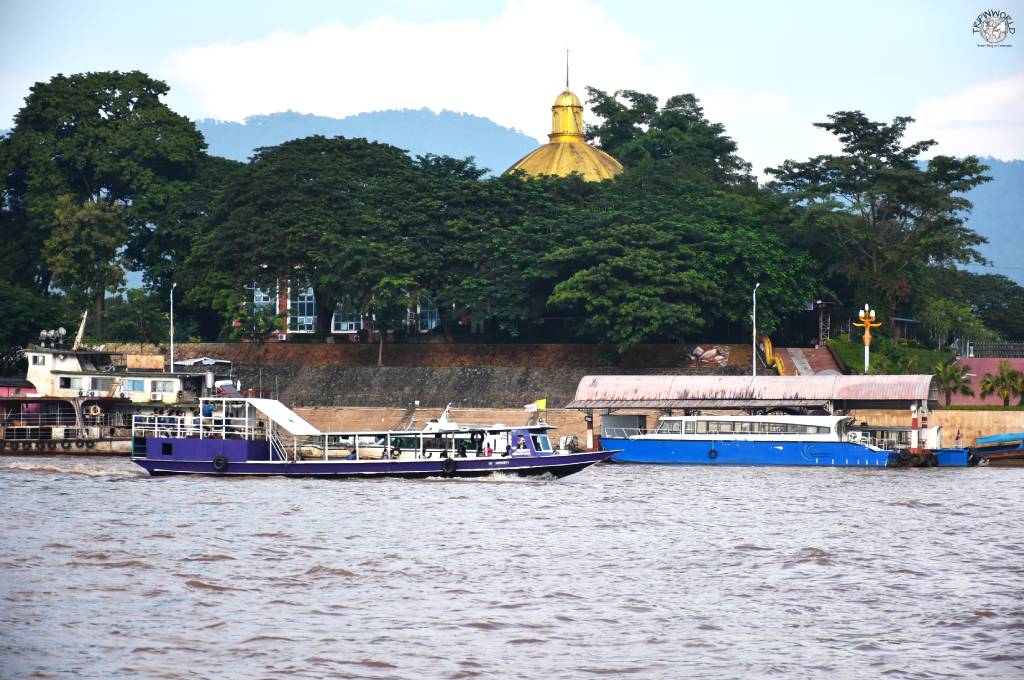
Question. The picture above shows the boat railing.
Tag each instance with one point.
(202, 427)
(38, 420)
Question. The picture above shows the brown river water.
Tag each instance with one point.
(621, 571)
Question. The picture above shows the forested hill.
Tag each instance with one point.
(417, 131)
(997, 215)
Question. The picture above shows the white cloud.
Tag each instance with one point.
(508, 69)
(985, 120)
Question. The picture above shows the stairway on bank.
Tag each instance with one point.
(809, 361)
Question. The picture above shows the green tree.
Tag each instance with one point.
(103, 139)
(331, 214)
(388, 305)
(140, 316)
(678, 133)
(952, 378)
(884, 212)
(1006, 383)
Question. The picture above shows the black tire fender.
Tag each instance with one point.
(51, 445)
(79, 444)
(65, 444)
(712, 454)
(220, 464)
(90, 445)
(449, 466)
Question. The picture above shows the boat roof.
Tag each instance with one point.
(807, 420)
(283, 416)
(1000, 438)
(731, 391)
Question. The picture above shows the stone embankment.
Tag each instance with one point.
(467, 376)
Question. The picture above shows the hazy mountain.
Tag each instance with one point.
(998, 207)
(417, 131)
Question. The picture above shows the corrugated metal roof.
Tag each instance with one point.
(657, 391)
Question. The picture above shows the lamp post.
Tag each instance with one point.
(867, 318)
(173, 286)
(753, 317)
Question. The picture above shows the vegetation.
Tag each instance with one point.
(888, 357)
(100, 177)
(952, 378)
(1005, 383)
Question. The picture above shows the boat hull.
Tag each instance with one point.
(222, 459)
(737, 452)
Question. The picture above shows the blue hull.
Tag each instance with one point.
(732, 452)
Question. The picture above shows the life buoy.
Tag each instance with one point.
(220, 464)
(712, 454)
(79, 444)
(65, 444)
(90, 445)
(448, 466)
(427, 454)
(95, 410)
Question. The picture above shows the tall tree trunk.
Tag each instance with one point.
(324, 314)
(380, 348)
(98, 316)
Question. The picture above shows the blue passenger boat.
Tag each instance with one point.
(769, 440)
(248, 436)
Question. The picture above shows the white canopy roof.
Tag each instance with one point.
(283, 417)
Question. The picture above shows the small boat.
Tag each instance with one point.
(771, 440)
(251, 436)
(999, 450)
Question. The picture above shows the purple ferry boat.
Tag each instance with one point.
(248, 436)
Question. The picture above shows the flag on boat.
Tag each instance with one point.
(539, 405)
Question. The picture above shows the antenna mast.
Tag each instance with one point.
(567, 68)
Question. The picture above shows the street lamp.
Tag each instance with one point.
(867, 318)
(173, 286)
(753, 317)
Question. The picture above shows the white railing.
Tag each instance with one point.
(197, 426)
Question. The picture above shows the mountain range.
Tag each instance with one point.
(418, 131)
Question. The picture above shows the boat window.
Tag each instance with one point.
(724, 426)
(540, 442)
(134, 385)
(702, 427)
(104, 384)
(690, 427)
(776, 428)
(166, 448)
(744, 426)
(67, 383)
(38, 359)
(669, 427)
(163, 385)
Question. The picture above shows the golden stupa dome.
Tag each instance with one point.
(567, 152)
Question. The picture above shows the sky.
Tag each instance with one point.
(767, 71)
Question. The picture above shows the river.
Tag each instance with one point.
(620, 571)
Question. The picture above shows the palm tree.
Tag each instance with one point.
(951, 378)
(1007, 383)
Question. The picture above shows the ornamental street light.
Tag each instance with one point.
(173, 286)
(867, 318)
(753, 317)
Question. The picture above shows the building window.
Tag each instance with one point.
(38, 359)
(134, 385)
(346, 322)
(263, 300)
(301, 310)
(166, 386)
(429, 319)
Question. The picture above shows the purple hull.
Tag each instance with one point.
(227, 457)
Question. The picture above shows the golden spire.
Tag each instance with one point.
(567, 152)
